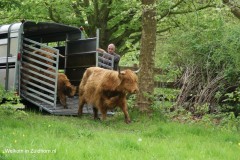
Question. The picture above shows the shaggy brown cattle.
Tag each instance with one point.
(64, 88)
(106, 89)
(48, 56)
(45, 59)
(33, 69)
(42, 54)
(31, 65)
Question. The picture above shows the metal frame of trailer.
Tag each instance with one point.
(26, 72)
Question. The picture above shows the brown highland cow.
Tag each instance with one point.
(106, 89)
(64, 88)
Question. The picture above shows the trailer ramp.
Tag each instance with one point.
(72, 109)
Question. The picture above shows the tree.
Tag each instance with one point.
(118, 20)
(115, 18)
(147, 52)
(234, 6)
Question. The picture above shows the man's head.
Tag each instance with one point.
(111, 48)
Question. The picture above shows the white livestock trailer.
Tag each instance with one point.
(22, 70)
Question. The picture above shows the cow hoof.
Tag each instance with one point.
(79, 114)
(127, 121)
(97, 118)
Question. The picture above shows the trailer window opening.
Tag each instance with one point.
(56, 44)
(3, 36)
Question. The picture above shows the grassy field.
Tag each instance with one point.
(47, 137)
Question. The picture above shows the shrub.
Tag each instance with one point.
(10, 103)
(210, 64)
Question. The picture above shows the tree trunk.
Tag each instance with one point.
(147, 53)
(234, 6)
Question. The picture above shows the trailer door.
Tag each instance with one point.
(81, 54)
(39, 73)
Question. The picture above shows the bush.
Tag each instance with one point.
(10, 103)
(210, 62)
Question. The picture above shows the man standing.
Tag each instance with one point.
(111, 50)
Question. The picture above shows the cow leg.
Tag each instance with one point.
(63, 100)
(95, 113)
(80, 106)
(103, 112)
(125, 111)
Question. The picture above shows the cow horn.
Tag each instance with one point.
(137, 71)
(60, 55)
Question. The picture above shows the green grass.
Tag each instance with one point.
(60, 137)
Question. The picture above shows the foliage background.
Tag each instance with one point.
(201, 34)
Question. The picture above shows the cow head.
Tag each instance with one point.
(70, 90)
(129, 81)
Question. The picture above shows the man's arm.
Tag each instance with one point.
(116, 58)
(101, 50)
